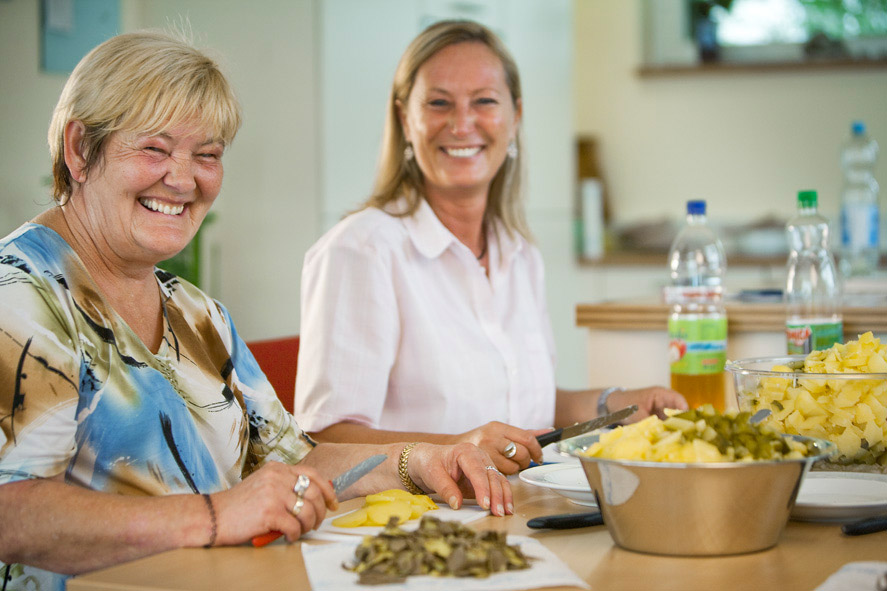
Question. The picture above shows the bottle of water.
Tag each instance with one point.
(697, 324)
(859, 203)
(812, 286)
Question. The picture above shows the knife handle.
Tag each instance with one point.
(265, 539)
(567, 520)
(866, 526)
(549, 437)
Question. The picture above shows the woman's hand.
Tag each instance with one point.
(652, 400)
(457, 472)
(269, 500)
(511, 449)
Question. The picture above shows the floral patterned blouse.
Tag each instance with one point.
(81, 395)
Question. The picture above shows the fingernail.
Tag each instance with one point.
(499, 510)
(510, 509)
(486, 503)
(453, 502)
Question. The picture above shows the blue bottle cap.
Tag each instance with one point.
(857, 127)
(696, 207)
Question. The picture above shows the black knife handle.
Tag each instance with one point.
(549, 437)
(866, 526)
(567, 520)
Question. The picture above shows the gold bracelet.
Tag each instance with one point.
(402, 470)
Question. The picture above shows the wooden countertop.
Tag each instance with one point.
(806, 555)
(741, 316)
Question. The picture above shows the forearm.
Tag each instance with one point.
(573, 406)
(67, 529)
(331, 459)
(353, 433)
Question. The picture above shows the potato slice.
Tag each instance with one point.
(386, 496)
(380, 513)
(354, 519)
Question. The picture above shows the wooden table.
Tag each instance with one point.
(805, 556)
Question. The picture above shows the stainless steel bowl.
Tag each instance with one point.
(695, 509)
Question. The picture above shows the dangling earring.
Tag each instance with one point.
(511, 150)
(408, 153)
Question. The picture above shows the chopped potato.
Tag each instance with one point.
(378, 508)
(701, 435)
(851, 413)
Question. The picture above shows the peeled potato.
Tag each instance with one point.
(380, 513)
(353, 519)
(386, 496)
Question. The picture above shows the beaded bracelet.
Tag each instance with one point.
(404, 474)
(212, 514)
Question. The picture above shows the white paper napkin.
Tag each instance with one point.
(324, 565)
(328, 531)
(855, 575)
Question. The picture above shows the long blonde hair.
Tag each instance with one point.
(146, 82)
(398, 177)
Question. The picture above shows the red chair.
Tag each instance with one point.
(278, 359)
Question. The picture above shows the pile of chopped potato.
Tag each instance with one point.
(700, 435)
(850, 412)
(438, 548)
(379, 508)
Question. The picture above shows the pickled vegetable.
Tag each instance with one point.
(438, 548)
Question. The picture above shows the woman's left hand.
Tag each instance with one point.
(461, 471)
(650, 401)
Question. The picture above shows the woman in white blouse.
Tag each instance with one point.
(424, 315)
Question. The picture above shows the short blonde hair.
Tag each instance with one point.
(146, 82)
(397, 177)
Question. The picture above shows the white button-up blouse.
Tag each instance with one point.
(403, 330)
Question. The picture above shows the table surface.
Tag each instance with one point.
(806, 555)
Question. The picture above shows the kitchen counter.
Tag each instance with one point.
(628, 340)
(805, 556)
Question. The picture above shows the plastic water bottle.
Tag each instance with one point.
(697, 324)
(859, 203)
(812, 286)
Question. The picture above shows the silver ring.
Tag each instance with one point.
(297, 508)
(495, 469)
(509, 450)
(302, 484)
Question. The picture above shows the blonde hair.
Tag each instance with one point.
(397, 177)
(146, 82)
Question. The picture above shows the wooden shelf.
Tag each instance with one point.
(652, 71)
(659, 259)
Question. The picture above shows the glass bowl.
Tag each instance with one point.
(848, 409)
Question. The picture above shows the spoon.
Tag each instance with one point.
(759, 416)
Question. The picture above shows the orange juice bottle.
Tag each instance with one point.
(697, 325)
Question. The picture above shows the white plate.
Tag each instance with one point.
(841, 496)
(566, 479)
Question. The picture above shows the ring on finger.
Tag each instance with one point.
(302, 484)
(297, 508)
(494, 469)
(509, 450)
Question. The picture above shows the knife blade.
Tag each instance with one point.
(865, 526)
(567, 520)
(340, 484)
(580, 428)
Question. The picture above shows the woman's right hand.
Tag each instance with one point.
(496, 438)
(265, 501)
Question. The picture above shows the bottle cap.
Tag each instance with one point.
(857, 127)
(806, 199)
(696, 207)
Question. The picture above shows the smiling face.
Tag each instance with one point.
(148, 196)
(460, 117)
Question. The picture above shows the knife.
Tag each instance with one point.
(580, 428)
(866, 526)
(567, 520)
(340, 484)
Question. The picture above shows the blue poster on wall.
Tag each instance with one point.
(73, 27)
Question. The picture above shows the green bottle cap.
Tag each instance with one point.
(806, 199)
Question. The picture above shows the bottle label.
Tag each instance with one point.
(859, 226)
(804, 336)
(697, 345)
